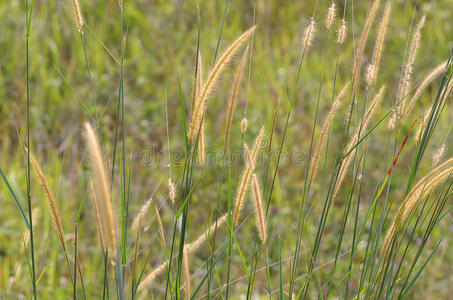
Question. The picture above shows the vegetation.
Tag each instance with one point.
(226, 149)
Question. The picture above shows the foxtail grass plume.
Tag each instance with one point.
(259, 214)
(323, 134)
(171, 190)
(433, 75)
(234, 94)
(330, 15)
(56, 217)
(208, 86)
(361, 130)
(248, 170)
(373, 68)
(309, 34)
(102, 190)
(439, 154)
(78, 16)
(362, 42)
(341, 36)
(141, 214)
(244, 123)
(405, 82)
(98, 217)
(417, 193)
(197, 90)
(198, 83)
(189, 249)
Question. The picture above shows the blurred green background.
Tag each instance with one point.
(159, 55)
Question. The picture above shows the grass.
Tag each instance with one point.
(330, 203)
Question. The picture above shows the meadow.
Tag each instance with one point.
(226, 149)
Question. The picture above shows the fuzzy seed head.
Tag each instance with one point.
(371, 75)
(244, 123)
(309, 33)
(330, 15)
(438, 155)
(341, 32)
(102, 189)
(171, 190)
(141, 214)
(77, 14)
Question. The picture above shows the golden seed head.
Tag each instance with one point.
(341, 32)
(371, 75)
(309, 33)
(141, 214)
(171, 190)
(102, 189)
(438, 155)
(259, 214)
(330, 15)
(244, 125)
(77, 14)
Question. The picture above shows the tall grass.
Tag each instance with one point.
(361, 214)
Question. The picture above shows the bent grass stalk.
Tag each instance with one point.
(248, 170)
(421, 189)
(433, 75)
(323, 135)
(234, 94)
(362, 128)
(190, 248)
(212, 79)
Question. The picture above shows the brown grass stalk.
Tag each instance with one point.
(234, 94)
(208, 86)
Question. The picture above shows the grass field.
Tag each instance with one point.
(172, 150)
